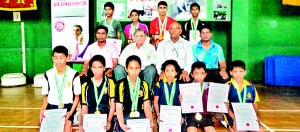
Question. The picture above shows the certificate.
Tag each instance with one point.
(217, 96)
(94, 122)
(170, 114)
(169, 128)
(54, 120)
(138, 125)
(192, 98)
(246, 119)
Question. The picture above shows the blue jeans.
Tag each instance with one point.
(148, 74)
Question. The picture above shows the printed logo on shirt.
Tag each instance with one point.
(141, 94)
(249, 96)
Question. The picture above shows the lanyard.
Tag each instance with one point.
(109, 24)
(169, 98)
(162, 26)
(132, 30)
(60, 88)
(134, 94)
(98, 99)
(239, 92)
(194, 25)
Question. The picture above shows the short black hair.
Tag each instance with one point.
(133, 58)
(198, 65)
(193, 5)
(109, 4)
(205, 26)
(99, 58)
(237, 63)
(78, 27)
(60, 49)
(101, 27)
(170, 62)
(162, 3)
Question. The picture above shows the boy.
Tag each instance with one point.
(166, 91)
(159, 26)
(194, 24)
(114, 27)
(60, 85)
(198, 73)
(240, 90)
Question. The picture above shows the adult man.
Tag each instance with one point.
(101, 47)
(145, 51)
(159, 26)
(175, 48)
(191, 29)
(114, 27)
(212, 55)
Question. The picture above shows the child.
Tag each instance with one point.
(99, 92)
(127, 105)
(114, 27)
(60, 85)
(168, 84)
(198, 73)
(237, 88)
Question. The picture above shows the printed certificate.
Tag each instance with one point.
(94, 122)
(169, 128)
(217, 96)
(246, 119)
(170, 114)
(192, 98)
(54, 120)
(139, 125)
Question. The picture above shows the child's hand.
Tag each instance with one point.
(227, 104)
(180, 98)
(42, 115)
(224, 74)
(108, 125)
(158, 119)
(182, 120)
(67, 115)
(81, 128)
(124, 127)
(109, 73)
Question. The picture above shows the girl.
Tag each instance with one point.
(98, 92)
(130, 28)
(130, 103)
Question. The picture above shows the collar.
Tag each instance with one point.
(199, 45)
(245, 83)
(179, 40)
(165, 79)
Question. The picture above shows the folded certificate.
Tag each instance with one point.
(246, 119)
(217, 96)
(192, 98)
(169, 128)
(138, 125)
(170, 114)
(94, 122)
(54, 120)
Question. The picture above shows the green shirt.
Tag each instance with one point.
(113, 28)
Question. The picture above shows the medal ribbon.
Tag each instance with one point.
(169, 99)
(134, 94)
(110, 23)
(162, 26)
(132, 29)
(239, 92)
(98, 98)
(202, 89)
(60, 88)
(194, 25)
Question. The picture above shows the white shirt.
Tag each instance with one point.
(181, 51)
(108, 51)
(49, 86)
(146, 53)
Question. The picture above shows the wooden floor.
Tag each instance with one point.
(279, 108)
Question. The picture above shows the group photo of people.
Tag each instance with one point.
(147, 76)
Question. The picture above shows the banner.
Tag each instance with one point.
(18, 5)
(291, 2)
(70, 25)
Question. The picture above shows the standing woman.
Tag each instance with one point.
(132, 95)
(130, 28)
(98, 92)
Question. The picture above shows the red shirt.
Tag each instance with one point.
(154, 25)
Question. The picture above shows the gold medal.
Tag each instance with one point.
(132, 114)
(97, 112)
(137, 114)
(61, 106)
(161, 37)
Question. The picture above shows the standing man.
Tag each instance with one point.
(212, 55)
(114, 27)
(145, 51)
(191, 29)
(101, 47)
(175, 48)
(159, 26)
